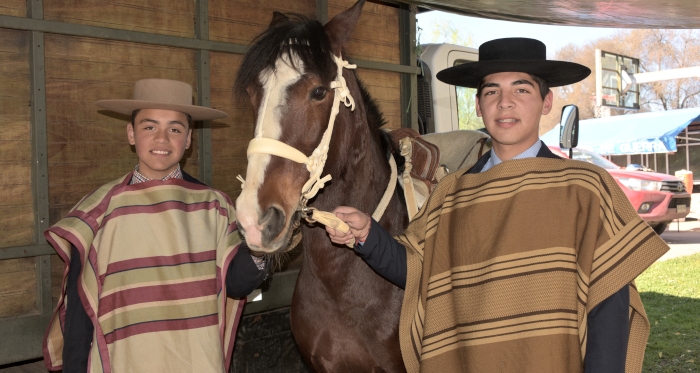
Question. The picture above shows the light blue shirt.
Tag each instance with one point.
(529, 153)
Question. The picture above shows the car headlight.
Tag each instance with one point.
(640, 184)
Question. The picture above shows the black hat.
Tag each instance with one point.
(516, 55)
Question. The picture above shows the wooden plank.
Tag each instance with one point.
(16, 225)
(385, 88)
(240, 21)
(13, 106)
(57, 268)
(18, 303)
(230, 136)
(15, 152)
(366, 43)
(17, 8)
(15, 194)
(76, 48)
(14, 129)
(17, 286)
(16, 265)
(168, 17)
(14, 75)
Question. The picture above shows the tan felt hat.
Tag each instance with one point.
(162, 94)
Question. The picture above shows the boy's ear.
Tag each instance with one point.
(130, 134)
(547, 104)
(189, 138)
(478, 108)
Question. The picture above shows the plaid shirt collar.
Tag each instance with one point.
(137, 177)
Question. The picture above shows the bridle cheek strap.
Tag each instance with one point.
(317, 160)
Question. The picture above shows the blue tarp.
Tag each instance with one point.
(653, 132)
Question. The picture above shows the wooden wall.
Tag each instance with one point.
(17, 8)
(16, 201)
(167, 17)
(240, 21)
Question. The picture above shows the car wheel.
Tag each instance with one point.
(661, 227)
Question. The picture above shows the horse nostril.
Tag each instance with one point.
(273, 222)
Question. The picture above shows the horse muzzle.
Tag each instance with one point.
(268, 232)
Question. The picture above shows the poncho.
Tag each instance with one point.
(504, 265)
(152, 282)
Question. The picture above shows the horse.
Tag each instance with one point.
(344, 317)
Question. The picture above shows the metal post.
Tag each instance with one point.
(204, 92)
(40, 174)
(409, 82)
(687, 150)
(322, 11)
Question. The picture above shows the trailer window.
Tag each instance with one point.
(466, 109)
(466, 106)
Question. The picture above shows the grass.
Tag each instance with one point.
(670, 291)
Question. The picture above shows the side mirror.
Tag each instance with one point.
(568, 137)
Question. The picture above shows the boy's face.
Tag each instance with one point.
(511, 106)
(161, 138)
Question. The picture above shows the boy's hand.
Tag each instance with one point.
(358, 222)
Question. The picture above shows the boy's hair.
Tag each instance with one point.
(136, 112)
(541, 82)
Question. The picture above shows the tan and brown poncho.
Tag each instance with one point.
(504, 266)
(154, 257)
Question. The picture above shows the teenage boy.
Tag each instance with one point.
(152, 259)
(525, 262)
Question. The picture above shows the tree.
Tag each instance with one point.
(444, 31)
(656, 49)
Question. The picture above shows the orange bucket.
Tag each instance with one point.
(687, 178)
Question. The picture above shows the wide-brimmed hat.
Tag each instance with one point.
(162, 94)
(514, 55)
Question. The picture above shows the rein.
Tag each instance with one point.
(317, 160)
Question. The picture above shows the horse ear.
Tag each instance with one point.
(277, 18)
(341, 26)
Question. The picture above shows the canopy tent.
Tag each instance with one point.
(682, 14)
(643, 133)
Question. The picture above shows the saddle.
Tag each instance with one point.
(424, 164)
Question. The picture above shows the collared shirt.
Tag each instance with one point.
(138, 177)
(529, 153)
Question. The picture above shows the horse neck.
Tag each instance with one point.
(358, 184)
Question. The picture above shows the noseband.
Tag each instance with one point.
(317, 160)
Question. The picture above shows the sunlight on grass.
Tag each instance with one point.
(670, 291)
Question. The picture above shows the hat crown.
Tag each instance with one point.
(163, 91)
(513, 49)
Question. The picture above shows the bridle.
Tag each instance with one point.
(317, 160)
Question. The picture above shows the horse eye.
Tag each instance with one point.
(319, 93)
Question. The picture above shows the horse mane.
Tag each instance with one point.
(293, 35)
(298, 35)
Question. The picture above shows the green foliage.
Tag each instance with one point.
(444, 31)
(670, 291)
(466, 103)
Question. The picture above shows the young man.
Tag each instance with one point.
(525, 262)
(152, 258)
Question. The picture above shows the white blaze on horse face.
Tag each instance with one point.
(275, 83)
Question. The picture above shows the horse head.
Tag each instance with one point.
(293, 76)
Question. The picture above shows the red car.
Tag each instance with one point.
(658, 198)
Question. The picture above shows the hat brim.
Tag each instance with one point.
(128, 106)
(556, 73)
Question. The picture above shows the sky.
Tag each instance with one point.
(482, 30)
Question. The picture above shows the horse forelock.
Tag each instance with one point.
(299, 38)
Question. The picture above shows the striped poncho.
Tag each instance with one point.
(153, 256)
(504, 266)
